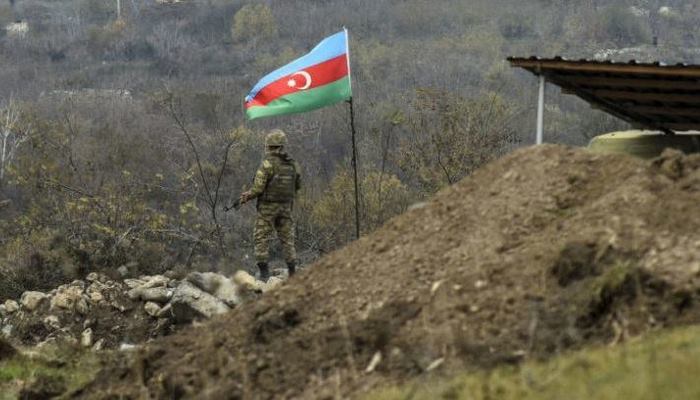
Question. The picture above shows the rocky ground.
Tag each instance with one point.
(101, 313)
(547, 249)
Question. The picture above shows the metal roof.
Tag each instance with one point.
(648, 95)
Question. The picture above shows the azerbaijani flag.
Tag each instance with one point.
(315, 80)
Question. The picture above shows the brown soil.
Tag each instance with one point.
(6, 350)
(546, 249)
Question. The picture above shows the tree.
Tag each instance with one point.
(383, 197)
(448, 136)
(12, 135)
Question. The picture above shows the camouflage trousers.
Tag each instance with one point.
(274, 217)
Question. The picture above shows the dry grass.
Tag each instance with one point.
(659, 366)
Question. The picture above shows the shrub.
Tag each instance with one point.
(382, 196)
(447, 137)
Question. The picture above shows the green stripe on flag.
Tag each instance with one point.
(304, 101)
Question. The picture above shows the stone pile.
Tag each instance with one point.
(99, 312)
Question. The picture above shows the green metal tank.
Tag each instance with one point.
(644, 144)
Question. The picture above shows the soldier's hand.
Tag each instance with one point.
(245, 197)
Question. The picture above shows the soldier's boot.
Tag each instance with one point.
(291, 267)
(264, 271)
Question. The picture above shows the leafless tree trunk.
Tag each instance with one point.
(211, 189)
(11, 136)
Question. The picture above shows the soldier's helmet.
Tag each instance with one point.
(276, 137)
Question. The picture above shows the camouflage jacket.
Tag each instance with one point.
(277, 180)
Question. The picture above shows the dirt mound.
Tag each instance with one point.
(546, 249)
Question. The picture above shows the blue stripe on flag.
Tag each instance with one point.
(330, 47)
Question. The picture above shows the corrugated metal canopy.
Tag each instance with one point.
(652, 96)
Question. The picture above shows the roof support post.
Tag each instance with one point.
(540, 111)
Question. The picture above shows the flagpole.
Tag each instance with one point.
(354, 140)
(354, 167)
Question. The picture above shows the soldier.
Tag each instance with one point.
(276, 184)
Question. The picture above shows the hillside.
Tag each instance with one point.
(547, 249)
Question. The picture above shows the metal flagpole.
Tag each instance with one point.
(354, 167)
(354, 141)
(540, 111)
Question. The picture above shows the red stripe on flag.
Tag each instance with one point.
(321, 74)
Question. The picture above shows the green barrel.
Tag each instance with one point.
(644, 144)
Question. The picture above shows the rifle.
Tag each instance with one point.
(235, 206)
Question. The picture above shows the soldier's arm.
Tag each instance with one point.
(261, 178)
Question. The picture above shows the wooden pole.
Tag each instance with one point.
(354, 167)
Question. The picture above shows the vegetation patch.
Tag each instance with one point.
(48, 372)
(659, 366)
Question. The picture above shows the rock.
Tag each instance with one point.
(123, 271)
(171, 274)
(152, 309)
(122, 308)
(86, 338)
(217, 285)
(11, 306)
(272, 283)
(92, 277)
(248, 287)
(154, 281)
(417, 206)
(376, 359)
(127, 347)
(128, 269)
(134, 283)
(32, 300)
(3, 311)
(67, 297)
(166, 312)
(95, 296)
(207, 281)
(99, 345)
(189, 302)
(52, 322)
(6, 330)
(156, 294)
(82, 306)
(246, 280)
(78, 283)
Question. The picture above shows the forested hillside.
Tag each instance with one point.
(123, 133)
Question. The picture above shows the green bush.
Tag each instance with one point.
(382, 196)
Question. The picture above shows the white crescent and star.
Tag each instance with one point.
(293, 82)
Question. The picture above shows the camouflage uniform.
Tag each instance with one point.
(276, 183)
